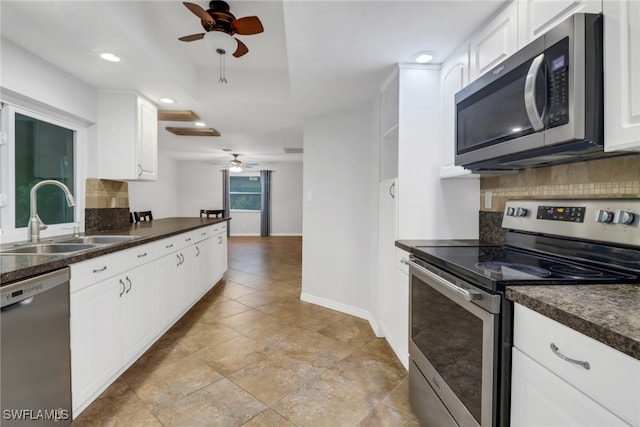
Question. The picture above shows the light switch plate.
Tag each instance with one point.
(488, 199)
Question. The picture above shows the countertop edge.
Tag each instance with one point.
(47, 264)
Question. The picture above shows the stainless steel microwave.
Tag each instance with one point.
(542, 105)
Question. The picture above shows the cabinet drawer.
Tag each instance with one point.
(94, 270)
(613, 378)
(168, 245)
(203, 233)
(139, 255)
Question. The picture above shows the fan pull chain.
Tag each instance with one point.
(223, 77)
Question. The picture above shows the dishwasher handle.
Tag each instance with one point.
(17, 304)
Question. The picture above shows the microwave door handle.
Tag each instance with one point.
(530, 93)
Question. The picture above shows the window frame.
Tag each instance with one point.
(8, 231)
(231, 209)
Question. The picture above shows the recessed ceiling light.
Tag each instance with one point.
(422, 57)
(109, 57)
(200, 124)
(167, 100)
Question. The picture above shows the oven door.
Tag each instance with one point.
(453, 344)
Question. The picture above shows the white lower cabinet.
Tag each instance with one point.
(139, 309)
(123, 302)
(540, 398)
(96, 340)
(561, 377)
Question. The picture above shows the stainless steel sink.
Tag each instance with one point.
(102, 240)
(48, 249)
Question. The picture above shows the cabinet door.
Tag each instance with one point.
(96, 340)
(387, 235)
(169, 294)
(494, 43)
(535, 17)
(540, 398)
(454, 75)
(622, 75)
(140, 310)
(204, 266)
(188, 286)
(147, 148)
(220, 255)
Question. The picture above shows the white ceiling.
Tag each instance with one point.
(313, 57)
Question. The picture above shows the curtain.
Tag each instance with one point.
(226, 198)
(265, 212)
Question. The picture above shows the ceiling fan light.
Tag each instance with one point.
(235, 169)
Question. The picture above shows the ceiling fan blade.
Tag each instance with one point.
(241, 49)
(192, 37)
(248, 25)
(199, 12)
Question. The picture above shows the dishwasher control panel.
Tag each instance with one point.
(25, 289)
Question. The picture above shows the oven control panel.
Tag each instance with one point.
(561, 213)
(606, 220)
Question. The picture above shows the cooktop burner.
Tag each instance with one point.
(575, 271)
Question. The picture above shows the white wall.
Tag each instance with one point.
(28, 78)
(200, 187)
(161, 196)
(337, 269)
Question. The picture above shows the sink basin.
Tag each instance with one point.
(100, 240)
(48, 249)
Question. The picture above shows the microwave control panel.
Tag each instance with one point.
(557, 64)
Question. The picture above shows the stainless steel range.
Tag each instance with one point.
(461, 323)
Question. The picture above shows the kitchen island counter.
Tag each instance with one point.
(18, 267)
(607, 313)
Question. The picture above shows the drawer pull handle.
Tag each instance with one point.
(99, 270)
(556, 351)
(187, 240)
(169, 246)
(142, 255)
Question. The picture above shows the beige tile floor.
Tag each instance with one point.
(250, 353)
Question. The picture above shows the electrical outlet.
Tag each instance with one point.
(488, 199)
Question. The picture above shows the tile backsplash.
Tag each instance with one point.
(611, 177)
(103, 193)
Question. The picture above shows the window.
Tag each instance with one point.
(41, 144)
(42, 151)
(245, 193)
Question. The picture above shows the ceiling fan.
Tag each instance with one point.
(219, 18)
(236, 165)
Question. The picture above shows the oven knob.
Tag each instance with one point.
(623, 217)
(520, 212)
(510, 211)
(604, 216)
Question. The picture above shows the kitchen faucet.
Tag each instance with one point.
(35, 223)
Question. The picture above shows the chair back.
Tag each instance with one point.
(143, 216)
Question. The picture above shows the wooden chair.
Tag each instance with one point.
(217, 212)
(143, 216)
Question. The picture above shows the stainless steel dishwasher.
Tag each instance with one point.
(34, 351)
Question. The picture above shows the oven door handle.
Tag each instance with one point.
(468, 295)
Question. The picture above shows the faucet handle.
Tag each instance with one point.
(42, 225)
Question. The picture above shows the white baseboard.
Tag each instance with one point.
(244, 235)
(286, 234)
(344, 308)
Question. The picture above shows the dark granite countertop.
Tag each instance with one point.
(409, 245)
(607, 313)
(18, 267)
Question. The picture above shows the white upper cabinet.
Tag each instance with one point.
(389, 115)
(535, 17)
(454, 75)
(494, 42)
(127, 137)
(622, 75)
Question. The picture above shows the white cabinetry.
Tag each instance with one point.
(548, 389)
(622, 75)
(412, 198)
(454, 75)
(494, 42)
(122, 302)
(127, 137)
(535, 17)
